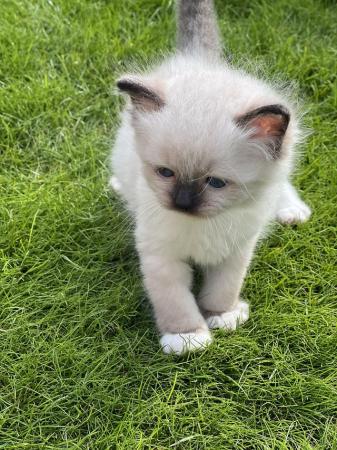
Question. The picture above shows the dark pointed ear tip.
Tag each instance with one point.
(269, 110)
(124, 83)
(278, 110)
(142, 94)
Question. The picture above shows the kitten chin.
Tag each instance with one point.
(202, 159)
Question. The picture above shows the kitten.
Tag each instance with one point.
(202, 159)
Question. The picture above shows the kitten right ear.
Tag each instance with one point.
(143, 96)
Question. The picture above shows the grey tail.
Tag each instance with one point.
(197, 29)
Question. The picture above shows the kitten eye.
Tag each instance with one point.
(165, 172)
(216, 183)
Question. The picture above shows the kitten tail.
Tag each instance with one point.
(197, 29)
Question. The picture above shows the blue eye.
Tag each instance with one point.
(216, 183)
(165, 172)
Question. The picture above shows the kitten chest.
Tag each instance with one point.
(204, 241)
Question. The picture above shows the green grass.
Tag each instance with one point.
(80, 365)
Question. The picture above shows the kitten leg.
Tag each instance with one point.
(178, 318)
(290, 208)
(219, 296)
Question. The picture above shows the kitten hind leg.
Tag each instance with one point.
(115, 184)
(178, 318)
(290, 208)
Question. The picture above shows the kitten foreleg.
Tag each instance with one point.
(178, 318)
(219, 297)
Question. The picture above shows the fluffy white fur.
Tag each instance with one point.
(185, 342)
(231, 319)
(195, 132)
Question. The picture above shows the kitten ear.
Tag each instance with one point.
(269, 124)
(143, 96)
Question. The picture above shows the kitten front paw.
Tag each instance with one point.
(297, 212)
(180, 343)
(231, 319)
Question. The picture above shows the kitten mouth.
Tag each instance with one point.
(187, 212)
(192, 213)
(196, 213)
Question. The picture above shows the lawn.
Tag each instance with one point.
(80, 364)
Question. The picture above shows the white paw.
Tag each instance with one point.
(230, 320)
(179, 343)
(297, 212)
(115, 184)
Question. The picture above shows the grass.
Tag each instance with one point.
(80, 366)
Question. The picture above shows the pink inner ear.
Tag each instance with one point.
(267, 123)
(267, 126)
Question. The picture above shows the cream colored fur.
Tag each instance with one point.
(195, 133)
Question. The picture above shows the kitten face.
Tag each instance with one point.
(197, 158)
(197, 174)
(196, 193)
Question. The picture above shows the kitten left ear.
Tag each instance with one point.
(144, 97)
(269, 124)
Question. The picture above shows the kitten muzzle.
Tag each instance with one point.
(185, 197)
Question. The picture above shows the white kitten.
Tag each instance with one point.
(202, 159)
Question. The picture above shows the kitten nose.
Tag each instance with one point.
(184, 198)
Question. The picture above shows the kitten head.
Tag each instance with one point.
(203, 153)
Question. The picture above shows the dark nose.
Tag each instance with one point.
(184, 198)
